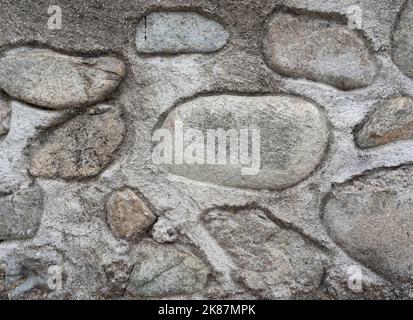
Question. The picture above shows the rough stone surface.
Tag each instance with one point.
(49, 79)
(81, 148)
(372, 219)
(166, 271)
(403, 40)
(128, 216)
(389, 122)
(303, 46)
(272, 260)
(294, 136)
(179, 32)
(4, 116)
(20, 213)
(74, 236)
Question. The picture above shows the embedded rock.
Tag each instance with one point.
(21, 213)
(391, 121)
(302, 46)
(128, 216)
(371, 217)
(179, 32)
(272, 259)
(52, 80)
(80, 148)
(403, 40)
(117, 273)
(165, 270)
(292, 138)
(4, 116)
(27, 122)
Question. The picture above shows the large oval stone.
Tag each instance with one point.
(389, 122)
(302, 46)
(293, 136)
(403, 40)
(371, 217)
(49, 79)
(80, 148)
(179, 32)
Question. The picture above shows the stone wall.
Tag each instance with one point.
(86, 212)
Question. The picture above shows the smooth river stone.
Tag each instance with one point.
(128, 216)
(293, 138)
(302, 46)
(371, 217)
(179, 32)
(52, 80)
(80, 148)
(389, 122)
(167, 270)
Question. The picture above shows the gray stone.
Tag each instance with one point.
(4, 116)
(391, 121)
(272, 260)
(371, 217)
(403, 40)
(293, 138)
(49, 79)
(80, 148)
(127, 215)
(302, 46)
(21, 213)
(165, 270)
(179, 32)
(98, 265)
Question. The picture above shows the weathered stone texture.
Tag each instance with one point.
(179, 32)
(303, 46)
(128, 216)
(80, 148)
(4, 116)
(389, 122)
(49, 79)
(167, 270)
(371, 217)
(272, 259)
(21, 213)
(293, 138)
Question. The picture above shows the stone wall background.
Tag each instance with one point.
(74, 168)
